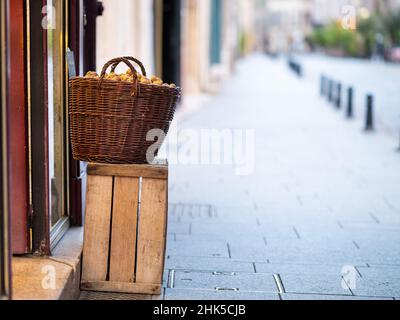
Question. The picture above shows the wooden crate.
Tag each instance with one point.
(125, 228)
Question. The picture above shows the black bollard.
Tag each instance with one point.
(330, 90)
(322, 85)
(350, 93)
(369, 125)
(399, 147)
(338, 95)
(299, 70)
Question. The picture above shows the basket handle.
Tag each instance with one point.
(138, 62)
(114, 63)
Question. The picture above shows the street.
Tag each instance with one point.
(365, 76)
(318, 218)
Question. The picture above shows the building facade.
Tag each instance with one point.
(326, 11)
(287, 23)
(215, 33)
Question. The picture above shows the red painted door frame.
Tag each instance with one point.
(19, 182)
(75, 27)
(19, 173)
(5, 239)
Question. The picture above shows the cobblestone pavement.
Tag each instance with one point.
(318, 219)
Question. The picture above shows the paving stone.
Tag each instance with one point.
(314, 297)
(249, 252)
(240, 281)
(375, 255)
(207, 264)
(199, 248)
(313, 255)
(250, 240)
(389, 287)
(226, 228)
(188, 294)
(380, 273)
(301, 269)
(320, 284)
(178, 228)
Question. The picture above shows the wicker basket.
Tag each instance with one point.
(110, 120)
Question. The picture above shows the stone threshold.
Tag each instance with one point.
(50, 278)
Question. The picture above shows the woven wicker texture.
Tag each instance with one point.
(110, 120)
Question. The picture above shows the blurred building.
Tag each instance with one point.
(214, 34)
(209, 35)
(126, 29)
(287, 23)
(209, 43)
(326, 11)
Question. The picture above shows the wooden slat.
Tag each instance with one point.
(123, 234)
(152, 231)
(97, 228)
(118, 287)
(156, 171)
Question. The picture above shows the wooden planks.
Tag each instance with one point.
(152, 231)
(125, 240)
(97, 228)
(124, 225)
(120, 287)
(157, 171)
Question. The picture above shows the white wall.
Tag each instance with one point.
(126, 29)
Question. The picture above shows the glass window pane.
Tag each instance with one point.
(56, 81)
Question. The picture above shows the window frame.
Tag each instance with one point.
(44, 237)
(58, 230)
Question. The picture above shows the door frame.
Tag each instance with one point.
(76, 45)
(5, 247)
(167, 44)
(37, 67)
(18, 135)
(44, 238)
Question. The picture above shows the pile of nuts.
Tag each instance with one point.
(128, 77)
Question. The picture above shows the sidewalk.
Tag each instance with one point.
(324, 198)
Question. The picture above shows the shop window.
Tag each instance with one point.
(49, 122)
(56, 49)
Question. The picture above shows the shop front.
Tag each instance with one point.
(42, 174)
(40, 183)
(45, 182)
(44, 42)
